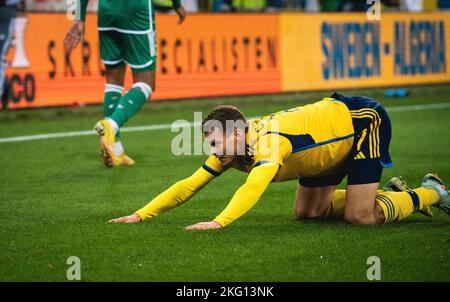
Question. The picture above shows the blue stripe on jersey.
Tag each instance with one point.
(305, 141)
(297, 141)
(324, 143)
(260, 163)
(211, 170)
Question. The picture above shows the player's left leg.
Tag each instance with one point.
(360, 205)
(398, 184)
(395, 184)
(364, 204)
(398, 205)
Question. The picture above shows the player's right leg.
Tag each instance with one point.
(140, 54)
(313, 203)
(316, 197)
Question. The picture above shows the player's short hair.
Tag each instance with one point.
(222, 114)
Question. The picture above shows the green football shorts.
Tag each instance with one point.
(127, 34)
(136, 50)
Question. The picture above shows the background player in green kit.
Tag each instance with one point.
(127, 37)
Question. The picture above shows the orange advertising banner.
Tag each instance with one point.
(208, 55)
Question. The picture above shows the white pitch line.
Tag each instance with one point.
(168, 126)
(92, 132)
(418, 107)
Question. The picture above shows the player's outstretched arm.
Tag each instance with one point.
(244, 198)
(174, 196)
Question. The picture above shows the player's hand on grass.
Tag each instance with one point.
(126, 219)
(181, 12)
(74, 35)
(204, 226)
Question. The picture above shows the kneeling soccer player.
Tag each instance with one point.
(318, 144)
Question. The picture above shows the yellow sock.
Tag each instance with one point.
(395, 205)
(337, 205)
(399, 205)
(427, 196)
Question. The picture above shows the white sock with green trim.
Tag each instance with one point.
(113, 125)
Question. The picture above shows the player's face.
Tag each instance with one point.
(223, 146)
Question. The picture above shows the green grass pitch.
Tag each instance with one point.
(56, 195)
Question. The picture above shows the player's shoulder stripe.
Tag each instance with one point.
(262, 162)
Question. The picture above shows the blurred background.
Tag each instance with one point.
(235, 47)
(258, 5)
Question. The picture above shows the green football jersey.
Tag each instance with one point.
(136, 15)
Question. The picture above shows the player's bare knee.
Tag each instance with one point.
(354, 218)
(300, 214)
(379, 214)
(115, 76)
(146, 77)
(312, 213)
(359, 217)
(305, 216)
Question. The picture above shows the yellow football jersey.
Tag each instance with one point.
(307, 141)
